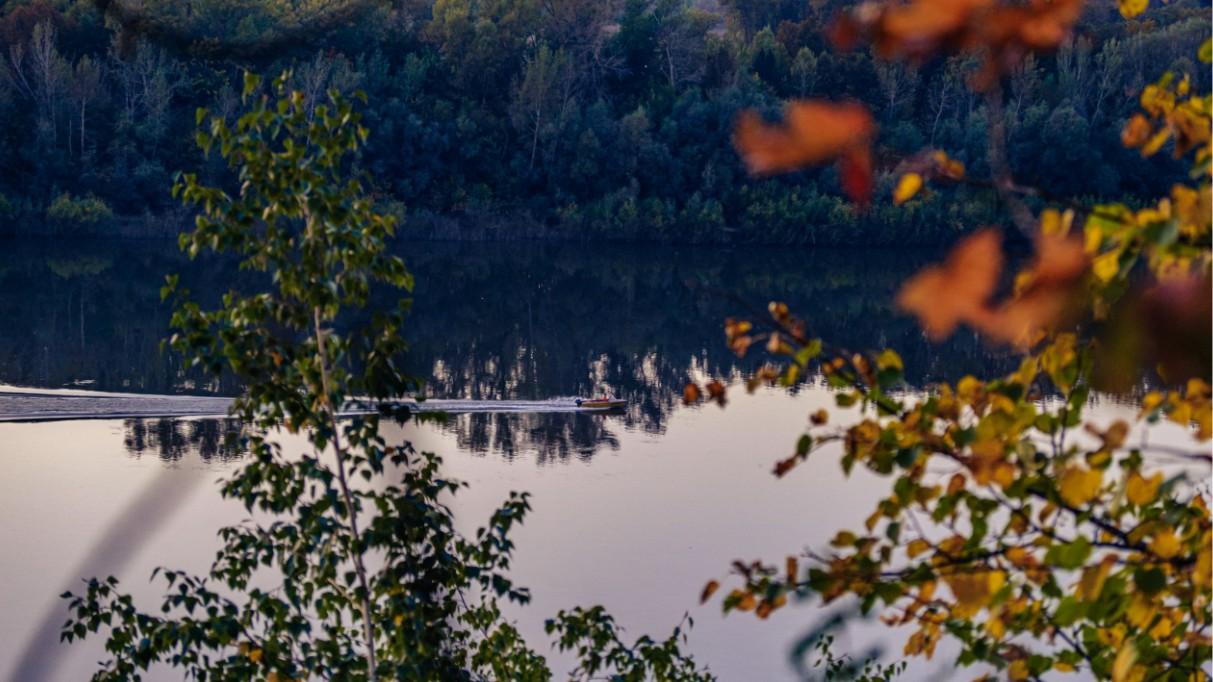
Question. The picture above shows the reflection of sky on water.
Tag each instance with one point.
(638, 528)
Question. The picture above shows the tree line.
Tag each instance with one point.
(561, 118)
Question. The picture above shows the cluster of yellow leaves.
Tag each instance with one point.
(1190, 406)
(1172, 112)
(1011, 579)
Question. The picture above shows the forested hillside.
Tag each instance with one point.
(559, 118)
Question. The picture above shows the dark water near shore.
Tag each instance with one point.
(526, 321)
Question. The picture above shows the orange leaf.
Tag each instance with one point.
(813, 132)
(1046, 292)
(690, 394)
(1001, 31)
(1135, 132)
(942, 296)
(708, 591)
(855, 169)
(918, 28)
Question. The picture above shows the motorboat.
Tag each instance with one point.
(601, 403)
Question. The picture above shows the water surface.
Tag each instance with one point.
(634, 510)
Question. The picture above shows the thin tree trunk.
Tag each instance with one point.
(534, 141)
(943, 102)
(368, 629)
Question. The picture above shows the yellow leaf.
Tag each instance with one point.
(1099, 458)
(1092, 238)
(1106, 266)
(1132, 8)
(1004, 474)
(907, 187)
(1150, 402)
(1165, 544)
(1140, 611)
(747, 602)
(1162, 629)
(1017, 555)
(1181, 413)
(872, 520)
(254, 655)
(1156, 142)
(889, 359)
(968, 389)
(1125, 659)
(844, 538)
(974, 590)
(1142, 491)
(1202, 575)
(1093, 578)
(1198, 386)
(996, 628)
(926, 591)
(1054, 223)
(1080, 486)
(1063, 667)
(917, 547)
(1018, 670)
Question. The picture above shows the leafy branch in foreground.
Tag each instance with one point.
(1031, 545)
(351, 567)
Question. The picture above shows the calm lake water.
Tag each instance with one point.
(635, 511)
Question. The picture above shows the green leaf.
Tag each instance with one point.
(1068, 612)
(1151, 581)
(803, 444)
(1069, 555)
(808, 351)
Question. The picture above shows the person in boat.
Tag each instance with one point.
(603, 398)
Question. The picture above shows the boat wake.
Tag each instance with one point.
(27, 404)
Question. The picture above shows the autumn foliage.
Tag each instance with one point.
(1036, 539)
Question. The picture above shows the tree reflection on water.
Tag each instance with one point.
(172, 439)
(494, 321)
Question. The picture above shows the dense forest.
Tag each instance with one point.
(562, 118)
